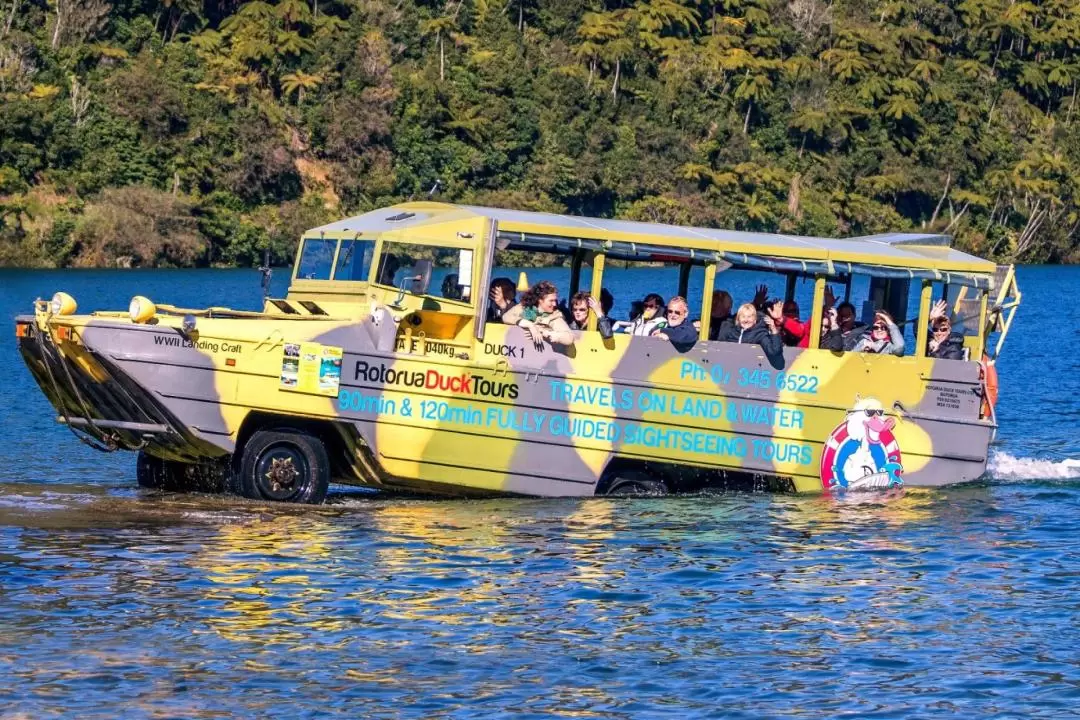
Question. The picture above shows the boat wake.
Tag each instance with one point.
(1003, 466)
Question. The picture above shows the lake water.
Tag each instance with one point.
(957, 602)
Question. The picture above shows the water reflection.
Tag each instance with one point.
(959, 601)
(759, 605)
(260, 576)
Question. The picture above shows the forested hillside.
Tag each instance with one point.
(197, 133)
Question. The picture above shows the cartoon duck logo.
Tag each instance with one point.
(862, 452)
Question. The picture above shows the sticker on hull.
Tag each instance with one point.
(311, 368)
(862, 451)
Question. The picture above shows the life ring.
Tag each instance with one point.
(988, 375)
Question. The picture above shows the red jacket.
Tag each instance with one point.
(795, 330)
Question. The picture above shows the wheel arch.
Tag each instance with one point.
(332, 434)
(685, 478)
(623, 467)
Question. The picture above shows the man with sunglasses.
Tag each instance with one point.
(943, 343)
(678, 331)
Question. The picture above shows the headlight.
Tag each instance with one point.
(141, 309)
(62, 304)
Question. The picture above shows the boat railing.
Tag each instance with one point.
(1002, 312)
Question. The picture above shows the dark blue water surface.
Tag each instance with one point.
(958, 602)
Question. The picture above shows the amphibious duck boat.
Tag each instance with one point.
(372, 371)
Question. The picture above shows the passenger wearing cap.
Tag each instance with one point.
(884, 337)
(943, 343)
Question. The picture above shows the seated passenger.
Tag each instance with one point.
(943, 343)
(883, 337)
(580, 305)
(651, 318)
(503, 296)
(538, 315)
(828, 315)
(720, 314)
(451, 290)
(847, 332)
(794, 332)
(678, 330)
(390, 266)
(750, 328)
(828, 322)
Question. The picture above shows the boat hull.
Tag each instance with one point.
(501, 416)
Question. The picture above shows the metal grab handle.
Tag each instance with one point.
(271, 336)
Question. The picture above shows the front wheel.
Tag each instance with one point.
(284, 466)
(157, 474)
(153, 472)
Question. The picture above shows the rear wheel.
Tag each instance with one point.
(633, 484)
(284, 466)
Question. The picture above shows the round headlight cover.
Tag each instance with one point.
(62, 304)
(141, 309)
(188, 324)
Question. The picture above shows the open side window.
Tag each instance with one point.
(435, 272)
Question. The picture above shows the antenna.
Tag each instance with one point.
(267, 274)
(434, 189)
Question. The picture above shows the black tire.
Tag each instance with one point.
(157, 474)
(284, 466)
(152, 472)
(636, 485)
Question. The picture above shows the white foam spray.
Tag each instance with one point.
(1003, 466)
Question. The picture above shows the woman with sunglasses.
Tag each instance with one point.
(943, 343)
(582, 304)
(651, 319)
(884, 337)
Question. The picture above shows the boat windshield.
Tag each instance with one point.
(354, 260)
(316, 259)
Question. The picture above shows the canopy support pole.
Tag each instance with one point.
(925, 296)
(597, 279)
(816, 311)
(706, 301)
